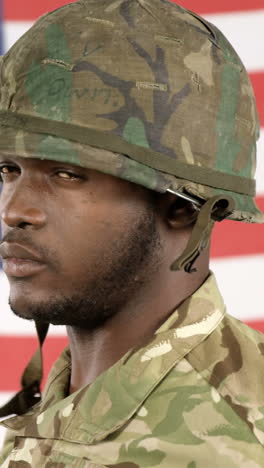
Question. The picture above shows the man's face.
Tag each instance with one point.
(77, 244)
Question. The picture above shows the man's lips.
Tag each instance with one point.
(19, 251)
(20, 261)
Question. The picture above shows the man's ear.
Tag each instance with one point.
(180, 213)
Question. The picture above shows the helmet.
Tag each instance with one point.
(147, 80)
(144, 90)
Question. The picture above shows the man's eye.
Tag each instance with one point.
(7, 170)
(67, 175)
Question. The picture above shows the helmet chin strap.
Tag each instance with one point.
(30, 393)
(216, 208)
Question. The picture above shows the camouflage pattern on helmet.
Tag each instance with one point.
(191, 397)
(141, 76)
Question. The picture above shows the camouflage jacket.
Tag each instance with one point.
(193, 397)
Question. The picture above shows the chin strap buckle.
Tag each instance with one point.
(216, 208)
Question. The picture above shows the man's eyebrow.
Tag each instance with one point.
(4, 157)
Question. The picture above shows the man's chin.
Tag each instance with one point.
(20, 312)
(26, 309)
(60, 312)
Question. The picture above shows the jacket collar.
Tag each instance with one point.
(95, 411)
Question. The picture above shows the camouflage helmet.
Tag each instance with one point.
(144, 90)
(141, 89)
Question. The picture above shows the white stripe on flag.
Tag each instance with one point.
(245, 31)
(4, 397)
(10, 324)
(240, 280)
(13, 30)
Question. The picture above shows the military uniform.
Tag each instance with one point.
(149, 92)
(189, 398)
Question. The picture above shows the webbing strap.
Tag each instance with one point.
(29, 394)
(216, 208)
(116, 143)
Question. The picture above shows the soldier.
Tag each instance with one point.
(128, 127)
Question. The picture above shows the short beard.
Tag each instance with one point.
(130, 266)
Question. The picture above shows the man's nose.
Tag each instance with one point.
(22, 208)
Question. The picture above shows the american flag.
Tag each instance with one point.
(237, 248)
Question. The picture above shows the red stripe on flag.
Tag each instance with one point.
(207, 6)
(258, 85)
(256, 324)
(15, 353)
(29, 10)
(232, 238)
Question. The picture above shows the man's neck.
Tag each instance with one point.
(94, 351)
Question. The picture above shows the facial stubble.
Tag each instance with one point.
(129, 265)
